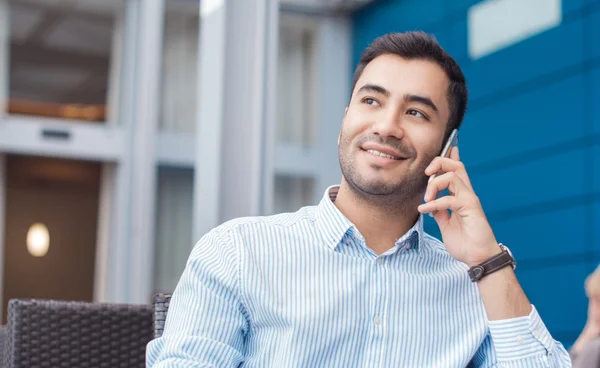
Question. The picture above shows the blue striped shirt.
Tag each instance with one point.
(303, 290)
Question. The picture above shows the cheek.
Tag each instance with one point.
(427, 152)
(428, 143)
(348, 133)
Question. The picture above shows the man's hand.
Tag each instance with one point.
(469, 238)
(466, 232)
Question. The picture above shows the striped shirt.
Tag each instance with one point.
(303, 290)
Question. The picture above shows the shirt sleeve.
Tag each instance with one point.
(206, 323)
(521, 342)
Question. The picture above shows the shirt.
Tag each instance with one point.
(303, 289)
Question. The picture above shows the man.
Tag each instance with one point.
(354, 281)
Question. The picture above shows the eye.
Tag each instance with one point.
(370, 101)
(417, 113)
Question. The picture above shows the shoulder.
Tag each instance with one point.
(254, 228)
(281, 220)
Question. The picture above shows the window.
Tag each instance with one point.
(293, 192)
(296, 80)
(180, 58)
(60, 58)
(174, 207)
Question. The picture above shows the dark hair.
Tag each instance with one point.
(420, 45)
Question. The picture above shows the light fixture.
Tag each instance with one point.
(38, 240)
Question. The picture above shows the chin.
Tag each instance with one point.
(378, 186)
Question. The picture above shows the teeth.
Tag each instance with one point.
(375, 152)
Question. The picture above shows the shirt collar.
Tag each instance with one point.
(333, 225)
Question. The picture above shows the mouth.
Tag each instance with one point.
(383, 154)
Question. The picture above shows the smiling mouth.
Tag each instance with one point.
(384, 155)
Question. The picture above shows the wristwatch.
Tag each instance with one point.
(497, 262)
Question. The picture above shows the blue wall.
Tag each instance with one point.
(530, 140)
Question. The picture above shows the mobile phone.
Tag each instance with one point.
(451, 142)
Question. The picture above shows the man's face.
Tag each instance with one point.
(393, 127)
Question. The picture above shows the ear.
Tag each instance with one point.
(340, 135)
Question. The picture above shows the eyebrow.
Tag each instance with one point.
(422, 100)
(374, 88)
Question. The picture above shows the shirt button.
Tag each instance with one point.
(380, 260)
(377, 320)
(520, 340)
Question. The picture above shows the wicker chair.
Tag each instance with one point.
(3, 342)
(161, 306)
(49, 333)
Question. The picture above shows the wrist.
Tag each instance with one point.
(489, 251)
(498, 262)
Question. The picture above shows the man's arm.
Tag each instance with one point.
(518, 335)
(501, 349)
(206, 323)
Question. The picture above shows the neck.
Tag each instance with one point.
(380, 225)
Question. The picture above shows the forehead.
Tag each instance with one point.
(401, 76)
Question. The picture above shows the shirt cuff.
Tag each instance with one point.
(521, 337)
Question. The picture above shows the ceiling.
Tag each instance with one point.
(60, 49)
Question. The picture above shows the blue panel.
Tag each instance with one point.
(596, 177)
(594, 99)
(569, 6)
(459, 32)
(393, 16)
(445, 38)
(532, 58)
(456, 5)
(541, 181)
(596, 227)
(558, 295)
(431, 227)
(528, 237)
(540, 118)
(593, 24)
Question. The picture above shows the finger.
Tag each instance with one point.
(448, 165)
(441, 217)
(454, 154)
(440, 205)
(450, 181)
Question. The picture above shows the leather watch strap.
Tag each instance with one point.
(491, 265)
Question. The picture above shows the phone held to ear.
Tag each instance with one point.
(451, 142)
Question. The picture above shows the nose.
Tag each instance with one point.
(389, 125)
